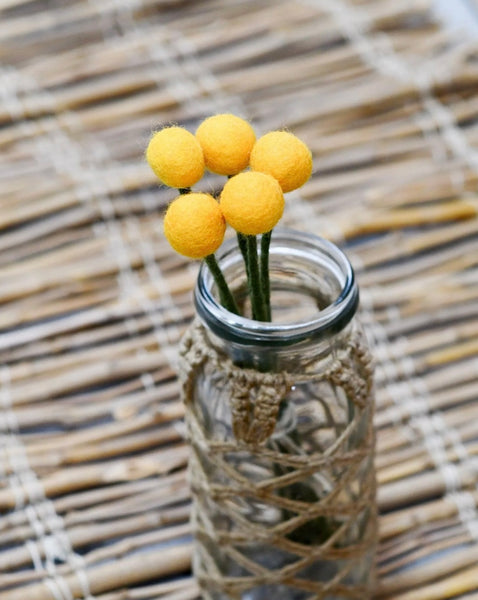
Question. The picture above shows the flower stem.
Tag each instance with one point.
(264, 268)
(225, 294)
(242, 243)
(257, 301)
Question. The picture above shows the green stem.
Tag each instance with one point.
(242, 243)
(184, 190)
(225, 295)
(265, 279)
(257, 301)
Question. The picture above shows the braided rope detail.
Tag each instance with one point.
(253, 421)
(225, 487)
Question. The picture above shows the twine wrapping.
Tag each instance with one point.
(224, 485)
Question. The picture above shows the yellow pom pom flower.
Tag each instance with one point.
(252, 202)
(176, 157)
(285, 157)
(194, 225)
(227, 142)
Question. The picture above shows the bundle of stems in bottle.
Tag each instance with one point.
(259, 172)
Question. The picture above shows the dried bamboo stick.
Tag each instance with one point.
(443, 355)
(44, 365)
(177, 513)
(438, 400)
(443, 530)
(422, 487)
(421, 463)
(439, 262)
(424, 341)
(84, 499)
(407, 246)
(81, 477)
(64, 344)
(405, 520)
(186, 586)
(435, 318)
(26, 577)
(125, 571)
(191, 593)
(143, 440)
(14, 526)
(101, 533)
(124, 308)
(50, 243)
(459, 583)
(55, 452)
(120, 401)
(394, 446)
(436, 384)
(423, 551)
(107, 265)
(84, 376)
(398, 219)
(452, 354)
(115, 550)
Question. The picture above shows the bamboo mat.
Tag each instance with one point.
(93, 497)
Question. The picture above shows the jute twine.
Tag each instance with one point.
(225, 488)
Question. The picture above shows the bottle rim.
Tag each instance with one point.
(235, 328)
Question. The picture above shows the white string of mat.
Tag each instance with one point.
(51, 536)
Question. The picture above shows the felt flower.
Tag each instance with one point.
(226, 141)
(176, 157)
(194, 225)
(285, 157)
(252, 202)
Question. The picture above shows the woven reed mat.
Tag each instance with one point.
(93, 500)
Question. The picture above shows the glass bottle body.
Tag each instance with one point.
(291, 514)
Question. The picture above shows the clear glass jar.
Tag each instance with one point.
(291, 515)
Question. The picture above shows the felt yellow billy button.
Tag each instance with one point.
(252, 202)
(285, 157)
(176, 157)
(194, 225)
(227, 142)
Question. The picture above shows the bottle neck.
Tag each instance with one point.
(314, 297)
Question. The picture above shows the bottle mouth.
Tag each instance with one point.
(314, 259)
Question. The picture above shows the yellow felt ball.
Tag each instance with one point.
(285, 157)
(194, 225)
(227, 142)
(176, 157)
(252, 202)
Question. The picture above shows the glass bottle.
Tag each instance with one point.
(288, 512)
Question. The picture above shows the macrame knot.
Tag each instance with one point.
(255, 397)
(255, 401)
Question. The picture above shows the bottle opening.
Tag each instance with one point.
(313, 292)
